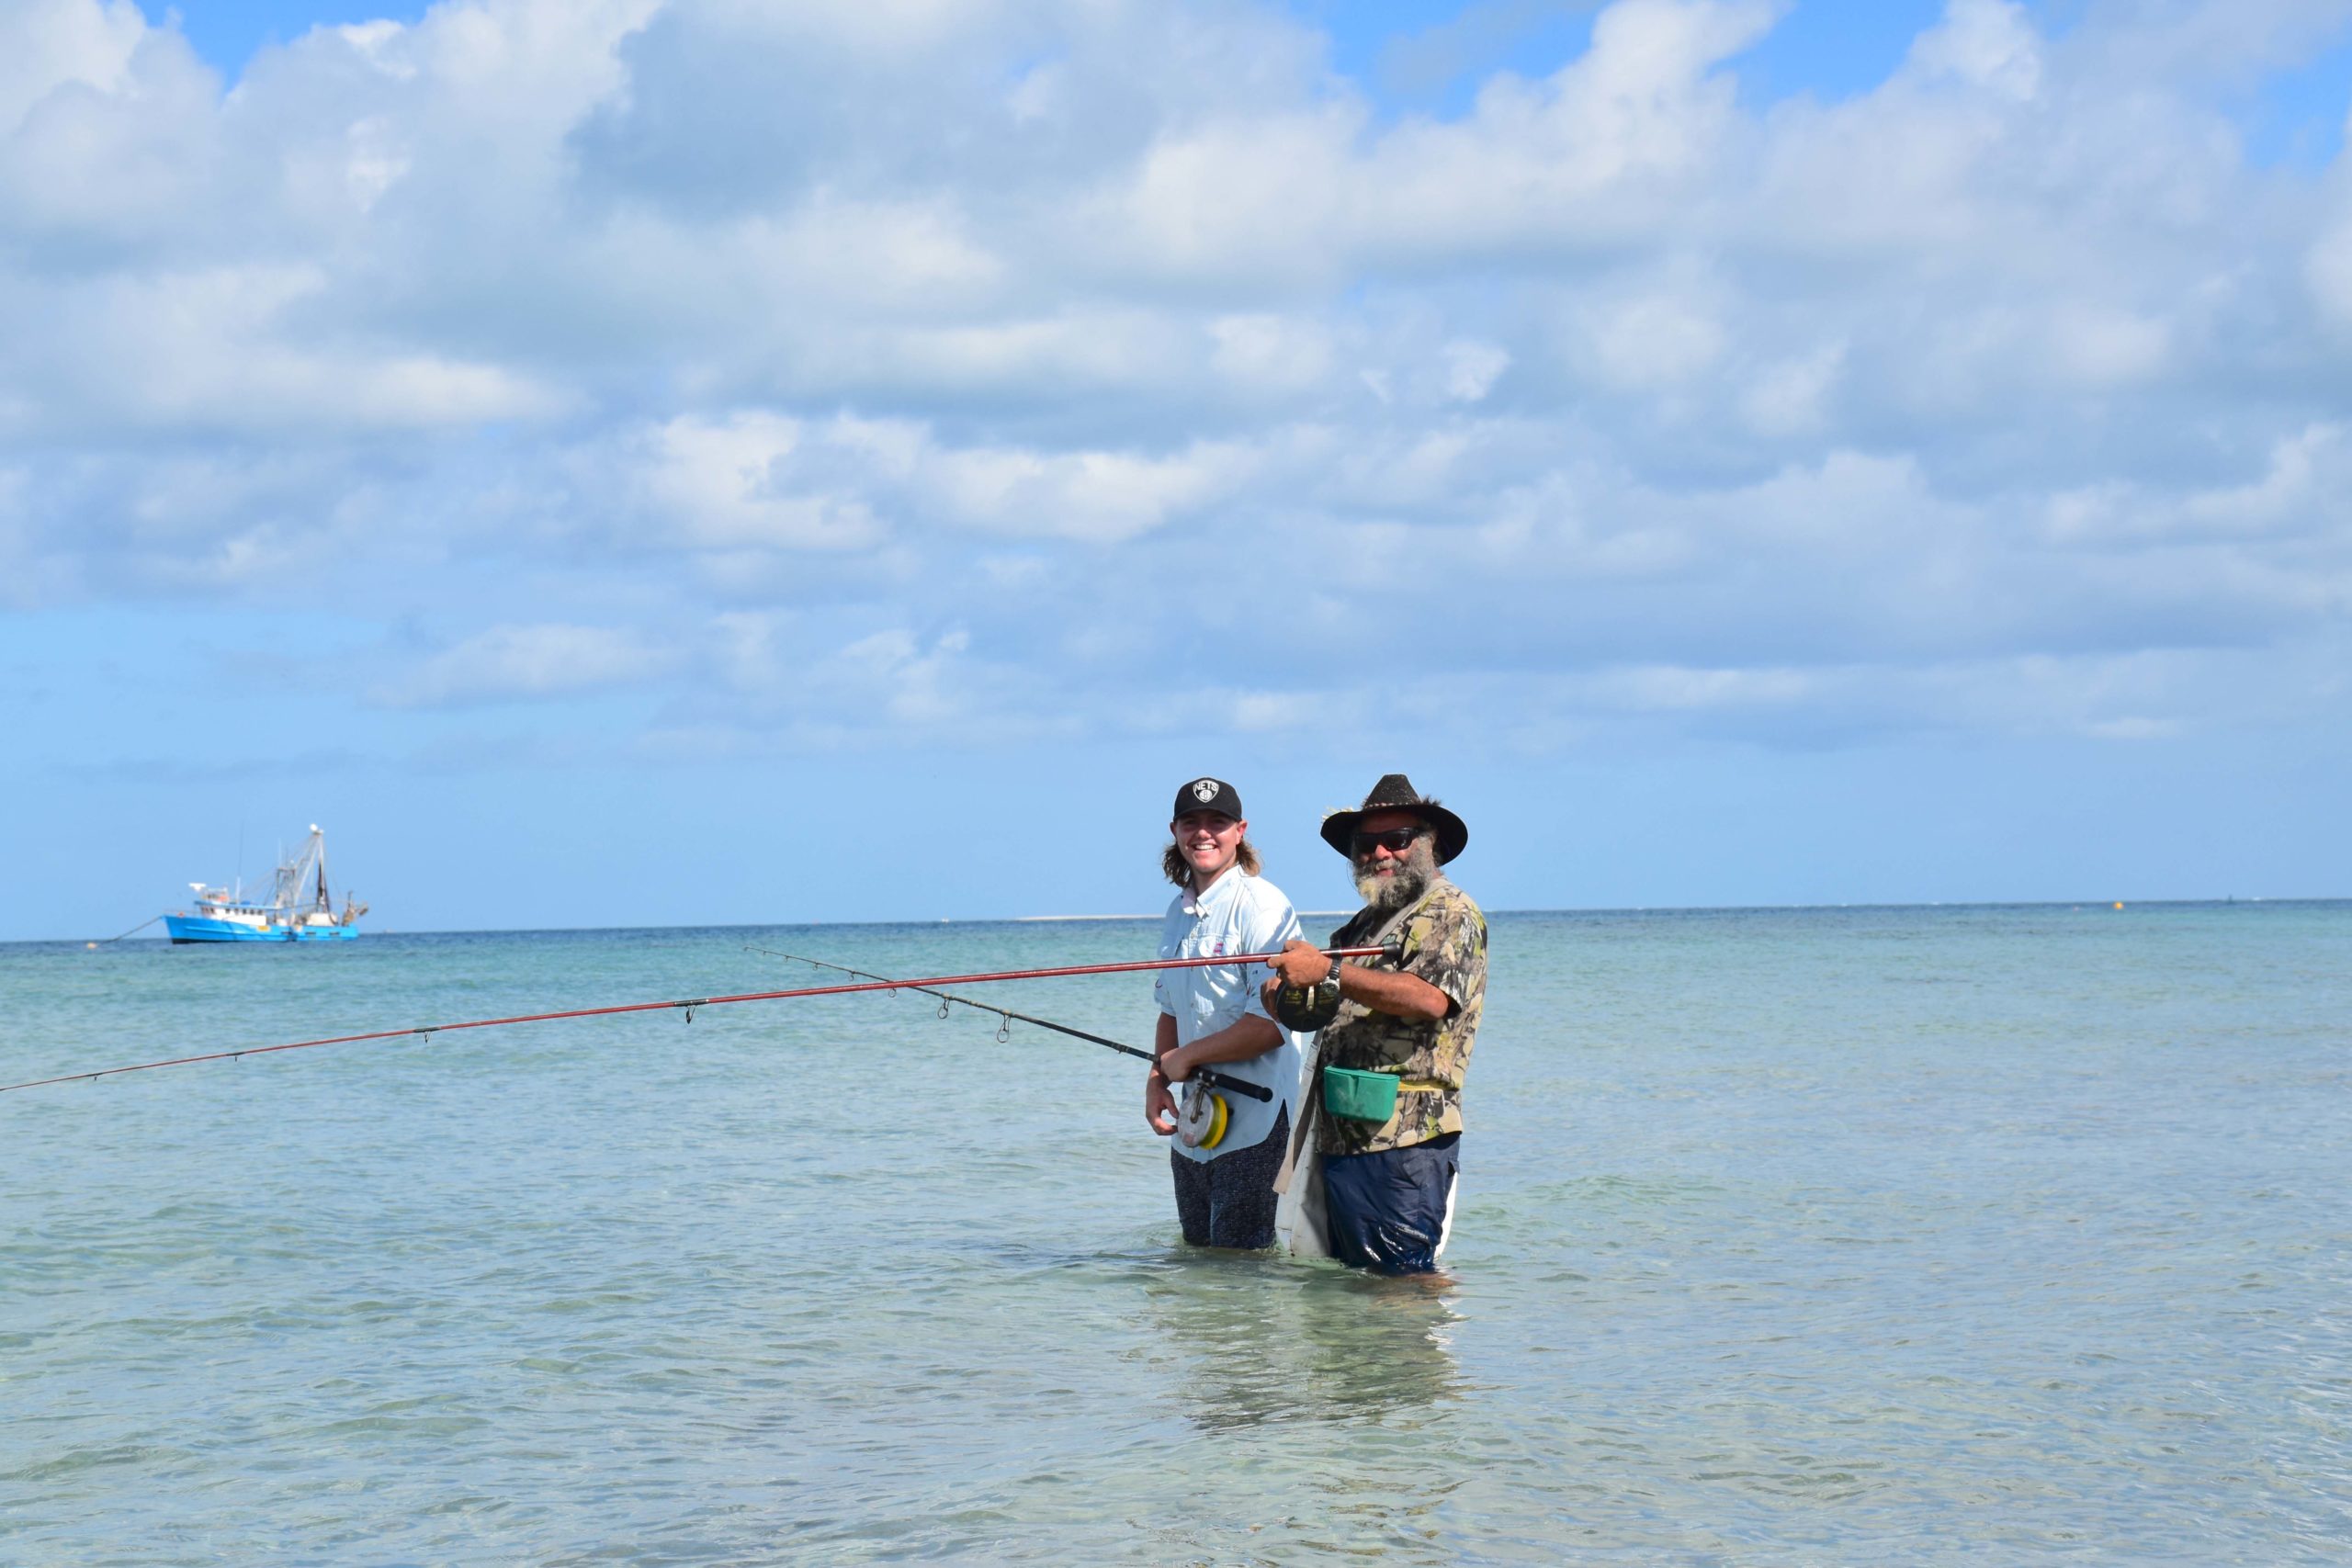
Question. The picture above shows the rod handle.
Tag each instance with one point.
(1215, 1079)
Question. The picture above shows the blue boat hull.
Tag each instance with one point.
(196, 928)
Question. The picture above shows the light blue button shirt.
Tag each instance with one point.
(1238, 914)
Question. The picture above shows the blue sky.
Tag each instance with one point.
(678, 461)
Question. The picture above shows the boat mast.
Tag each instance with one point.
(294, 876)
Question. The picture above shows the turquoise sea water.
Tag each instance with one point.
(1854, 1237)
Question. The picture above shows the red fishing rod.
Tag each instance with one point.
(688, 1006)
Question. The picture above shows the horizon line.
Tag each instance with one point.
(2099, 903)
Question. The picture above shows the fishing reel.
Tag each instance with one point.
(1307, 1009)
(1204, 1118)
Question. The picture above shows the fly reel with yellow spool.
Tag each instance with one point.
(1203, 1121)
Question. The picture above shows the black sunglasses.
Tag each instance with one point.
(1394, 840)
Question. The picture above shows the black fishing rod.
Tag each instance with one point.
(1209, 1076)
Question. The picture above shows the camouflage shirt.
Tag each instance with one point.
(1445, 941)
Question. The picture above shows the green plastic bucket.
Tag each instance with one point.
(1359, 1096)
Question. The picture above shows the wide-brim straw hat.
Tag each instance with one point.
(1395, 791)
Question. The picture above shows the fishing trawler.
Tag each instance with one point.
(298, 908)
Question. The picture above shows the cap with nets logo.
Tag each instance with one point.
(1208, 794)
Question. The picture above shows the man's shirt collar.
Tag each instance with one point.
(1219, 891)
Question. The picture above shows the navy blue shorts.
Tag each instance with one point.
(1387, 1209)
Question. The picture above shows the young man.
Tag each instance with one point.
(1215, 1017)
(1388, 1185)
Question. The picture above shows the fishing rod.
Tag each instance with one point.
(687, 1005)
(1209, 1076)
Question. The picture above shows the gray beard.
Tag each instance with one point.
(1407, 882)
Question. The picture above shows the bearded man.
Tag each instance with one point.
(1388, 1167)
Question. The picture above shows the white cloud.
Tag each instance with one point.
(775, 332)
(508, 663)
(1262, 198)
(2328, 267)
(1654, 341)
(728, 483)
(1472, 369)
(915, 256)
(1261, 353)
(232, 349)
(1652, 688)
(1607, 148)
(2099, 345)
(1790, 396)
(1989, 44)
(2309, 475)
(56, 46)
(911, 682)
(758, 479)
(1101, 497)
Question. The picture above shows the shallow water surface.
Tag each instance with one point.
(2003, 1236)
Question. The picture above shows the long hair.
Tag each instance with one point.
(1178, 869)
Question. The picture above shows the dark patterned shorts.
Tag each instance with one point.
(1229, 1201)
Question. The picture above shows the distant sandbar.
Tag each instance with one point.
(1027, 920)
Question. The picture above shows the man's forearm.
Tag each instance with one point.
(1248, 1036)
(1394, 992)
(1391, 991)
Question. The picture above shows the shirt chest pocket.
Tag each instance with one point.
(1215, 988)
(1210, 938)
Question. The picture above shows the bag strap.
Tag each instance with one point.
(1312, 1099)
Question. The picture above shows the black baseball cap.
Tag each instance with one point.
(1207, 794)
